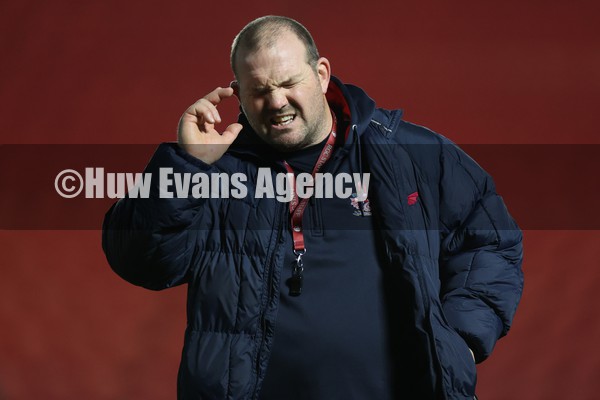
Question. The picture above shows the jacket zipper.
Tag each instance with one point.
(270, 272)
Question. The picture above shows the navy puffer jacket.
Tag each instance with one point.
(455, 250)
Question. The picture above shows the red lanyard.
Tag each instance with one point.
(297, 208)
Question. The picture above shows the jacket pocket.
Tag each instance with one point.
(459, 375)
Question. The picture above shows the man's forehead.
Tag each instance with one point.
(263, 69)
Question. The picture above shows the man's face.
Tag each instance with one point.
(283, 96)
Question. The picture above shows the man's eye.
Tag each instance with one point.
(262, 92)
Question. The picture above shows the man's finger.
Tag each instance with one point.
(205, 111)
(219, 94)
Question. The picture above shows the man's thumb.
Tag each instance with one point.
(231, 132)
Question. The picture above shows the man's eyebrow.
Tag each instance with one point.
(260, 88)
(292, 79)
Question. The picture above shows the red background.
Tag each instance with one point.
(123, 72)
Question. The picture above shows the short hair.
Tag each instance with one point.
(264, 31)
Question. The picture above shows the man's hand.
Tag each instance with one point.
(197, 134)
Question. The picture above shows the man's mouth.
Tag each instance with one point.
(282, 120)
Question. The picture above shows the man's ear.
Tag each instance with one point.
(236, 88)
(324, 73)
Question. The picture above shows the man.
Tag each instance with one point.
(391, 293)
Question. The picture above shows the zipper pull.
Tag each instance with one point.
(295, 282)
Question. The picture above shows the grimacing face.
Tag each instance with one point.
(283, 96)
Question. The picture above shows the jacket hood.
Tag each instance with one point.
(348, 101)
(352, 103)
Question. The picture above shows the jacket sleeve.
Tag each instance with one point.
(146, 240)
(481, 254)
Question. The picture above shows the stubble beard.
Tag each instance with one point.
(307, 134)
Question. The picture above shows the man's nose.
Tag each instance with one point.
(276, 99)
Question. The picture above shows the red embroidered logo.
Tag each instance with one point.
(412, 198)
